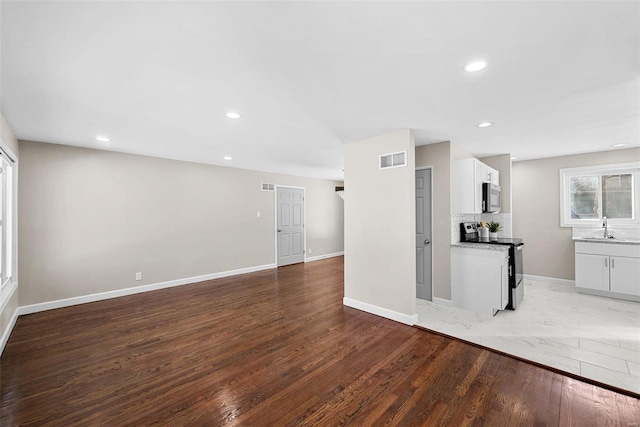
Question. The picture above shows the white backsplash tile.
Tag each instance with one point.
(505, 223)
(619, 232)
(503, 218)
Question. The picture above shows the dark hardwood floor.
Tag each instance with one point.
(273, 348)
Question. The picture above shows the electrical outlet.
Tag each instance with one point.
(139, 275)
(258, 214)
(309, 251)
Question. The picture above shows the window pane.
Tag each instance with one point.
(584, 197)
(617, 196)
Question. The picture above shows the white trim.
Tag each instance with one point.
(7, 331)
(549, 279)
(597, 170)
(50, 305)
(442, 301)
(381, 311)
(325, 256)
(12, 288)
(5, 295)
(602, 168)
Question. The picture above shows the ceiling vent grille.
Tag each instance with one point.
(268, 187)
(393, 160)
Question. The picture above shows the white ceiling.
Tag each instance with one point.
(158, 77)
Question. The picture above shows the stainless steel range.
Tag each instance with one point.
(469, 234)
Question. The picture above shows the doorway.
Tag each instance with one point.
(424, 251)
(290, 235)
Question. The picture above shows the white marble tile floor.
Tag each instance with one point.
(590, 336)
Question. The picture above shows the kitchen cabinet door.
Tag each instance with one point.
(625, 275)
(494, 176)
(466, 186)
(480, 177)
(592, 271)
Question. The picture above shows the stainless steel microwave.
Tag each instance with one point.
(490, 198)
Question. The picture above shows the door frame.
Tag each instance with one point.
(275, 219)
(430, 167)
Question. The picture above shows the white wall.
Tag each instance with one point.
(90, 219)
(380, 264)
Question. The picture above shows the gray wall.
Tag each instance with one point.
(549, 248)
(380, 253)
(439, 157)
(90, 219)
(9, 141)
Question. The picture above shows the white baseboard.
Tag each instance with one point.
(549, 279)
(50, 305)
(442, 301)
(380, 311)
(325, 256)
(608, 294)
(8, 329)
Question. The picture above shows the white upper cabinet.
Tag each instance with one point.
(467, 176)
(493, 176)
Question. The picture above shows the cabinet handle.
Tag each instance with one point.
(612, 263)
(605, 263)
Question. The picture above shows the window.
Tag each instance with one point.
(7, 226)
(588, 194)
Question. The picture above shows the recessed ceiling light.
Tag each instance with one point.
(228, 158)
(514, 158)
(103, 139)
(474, 66)
(484, 124)
(233, 115)
(619, 145)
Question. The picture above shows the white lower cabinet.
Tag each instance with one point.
(625, 275)
(505, 283)
(608, 269)
(592, 271)
(480, 278)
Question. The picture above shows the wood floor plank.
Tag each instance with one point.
(272, 348)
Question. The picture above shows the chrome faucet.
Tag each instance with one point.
(607, 233)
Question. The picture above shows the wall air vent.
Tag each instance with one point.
(268, 187)
(393, 160)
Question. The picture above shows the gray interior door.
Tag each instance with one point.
(290, 232)
(423, 234)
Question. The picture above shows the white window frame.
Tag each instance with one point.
(614, 169)
(10, 284)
